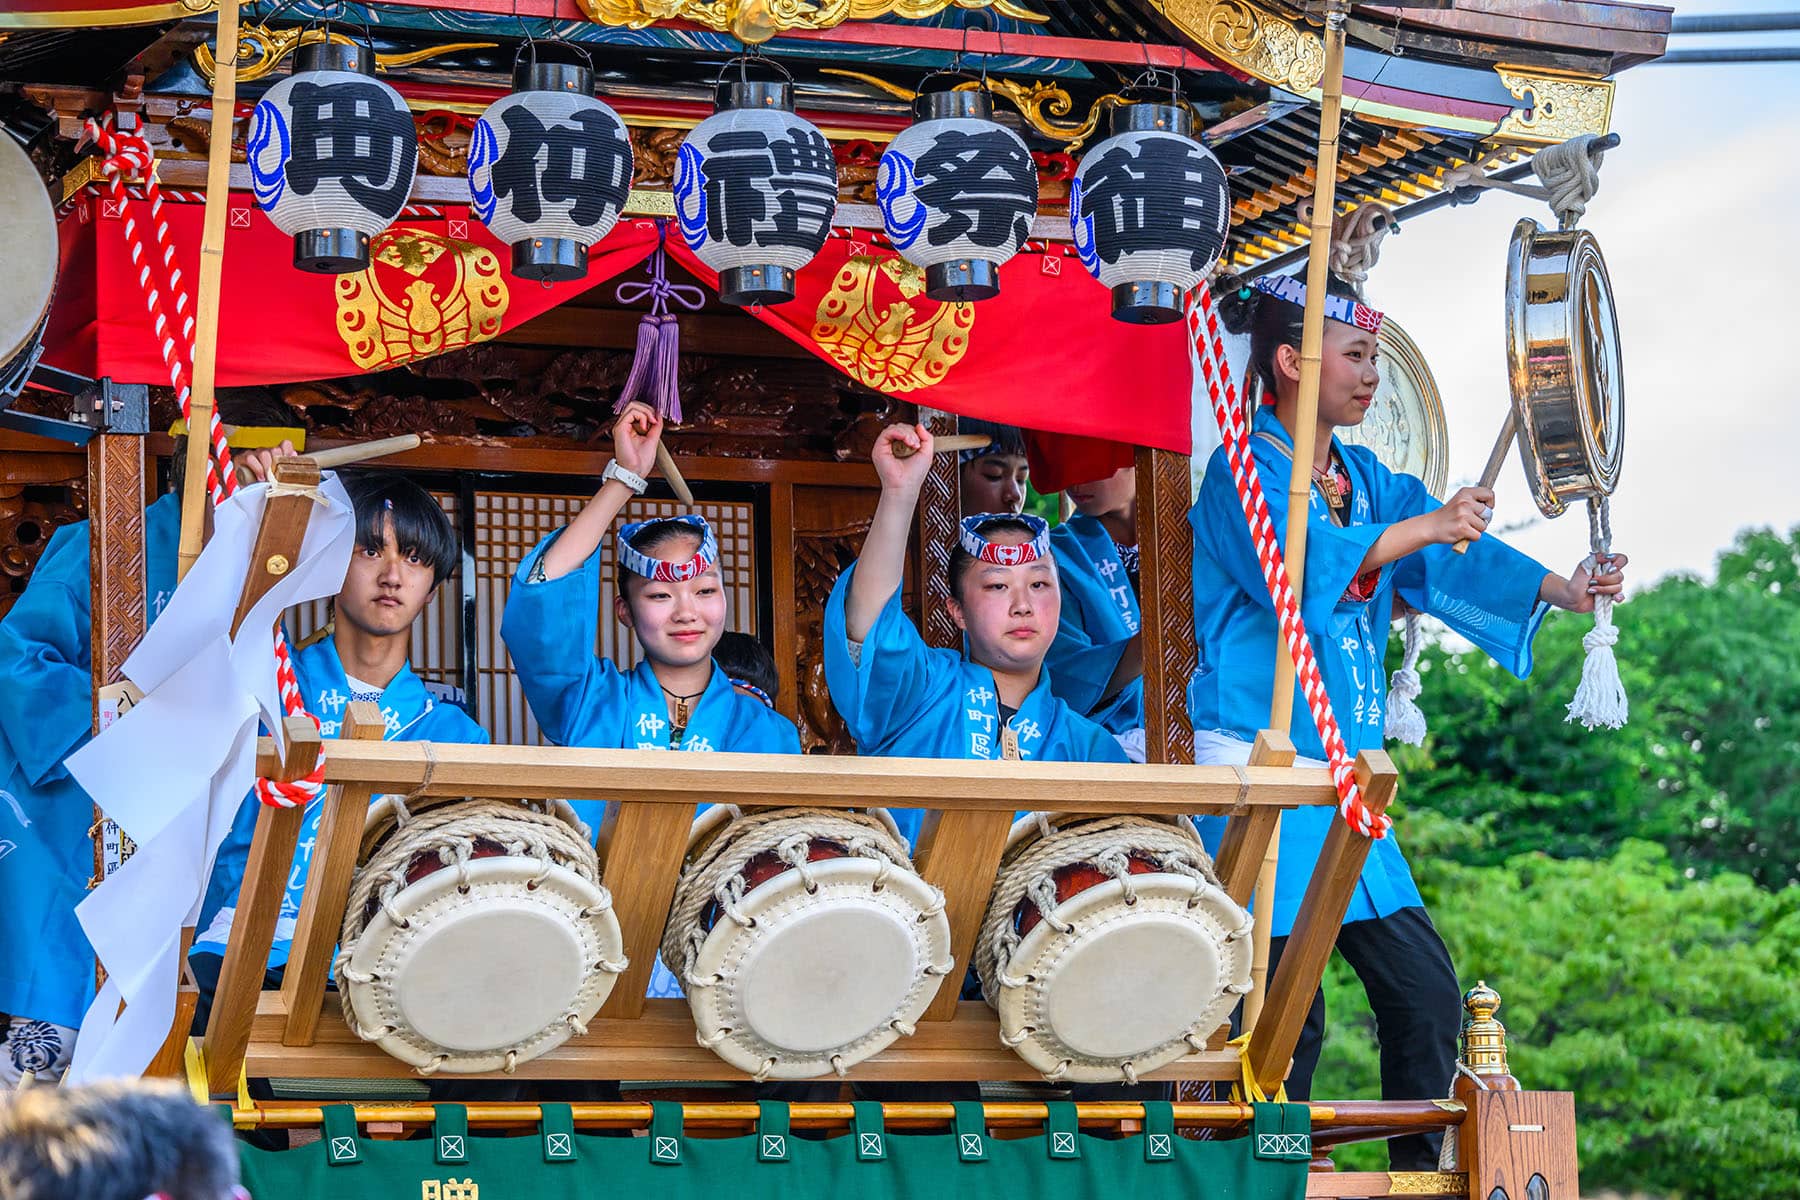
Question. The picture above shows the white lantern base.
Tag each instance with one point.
(756, 283)
(331, 251)
(549, 260)
(1146, 302)
(963, 280)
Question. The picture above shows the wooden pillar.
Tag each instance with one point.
(119, 601)
(1166, 600)
(940, 509)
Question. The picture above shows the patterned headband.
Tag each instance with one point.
(993, 447)
(1339, 308)
(999, 554)
(747, 686)
(639, 563)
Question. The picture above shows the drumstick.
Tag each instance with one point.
(947, 443)
(343, 456)
(666, 463)
(1496, 460)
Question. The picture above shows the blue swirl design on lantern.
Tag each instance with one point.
(266, 126)
(894, 182)
(1081, 230)
(690, 194)
(484, 151)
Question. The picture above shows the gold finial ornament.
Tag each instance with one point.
(1483, 1037)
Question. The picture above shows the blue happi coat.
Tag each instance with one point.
(46, 714)
(581, 699)
(1489, 596)
(1099, 618)
(902, 698)
(411, 716)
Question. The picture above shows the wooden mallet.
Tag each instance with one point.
(343, 456)
(948, 443)
(1496, 460)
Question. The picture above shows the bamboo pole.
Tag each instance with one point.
(1305, 433)
(194, 499)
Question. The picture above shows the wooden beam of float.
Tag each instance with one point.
(773, 780)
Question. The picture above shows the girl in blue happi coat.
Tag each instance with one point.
(46, 857)
(901, 697)
(405, 547)
(1097, 661)
(670, 594)
(1373, 537)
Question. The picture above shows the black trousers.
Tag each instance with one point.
(1412, 989)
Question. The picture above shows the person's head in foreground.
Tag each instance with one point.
(127, 1140)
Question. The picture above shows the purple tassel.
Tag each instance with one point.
(668, 356)
(653, 364)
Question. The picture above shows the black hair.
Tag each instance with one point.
(961, 560)
(741, 656)
(420, 526)
(1271, 322)
(119, 1140)
(1006, 439)
(651, 538)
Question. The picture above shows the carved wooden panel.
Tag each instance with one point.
(940, 510)
(116, 550)
(1168, 603)
(30, 512)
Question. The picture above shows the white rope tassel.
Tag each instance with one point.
(1600, 700)
(1405, 719)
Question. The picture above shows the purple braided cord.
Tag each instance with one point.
(653, 365)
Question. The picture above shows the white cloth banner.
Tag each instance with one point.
(173, 771)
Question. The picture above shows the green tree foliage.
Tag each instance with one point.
(1667, 1005)
(1706, 765)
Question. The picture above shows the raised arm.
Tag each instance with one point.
(636, 434)
(882, 565)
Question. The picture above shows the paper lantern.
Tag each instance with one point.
(550, 169)
(332, 153)
(958, 192)
(755, 191)
(1150, 208)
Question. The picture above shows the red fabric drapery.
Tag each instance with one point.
(437, 282)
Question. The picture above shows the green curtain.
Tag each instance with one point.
(868, 1163)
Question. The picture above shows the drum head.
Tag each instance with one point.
(474, 975)
(29, 246)
(1564, 365)
(1129, 981)
(830, 972)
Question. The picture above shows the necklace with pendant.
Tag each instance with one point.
(679, 718)
(1335, 493)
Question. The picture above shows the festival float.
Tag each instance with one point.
(450, 238)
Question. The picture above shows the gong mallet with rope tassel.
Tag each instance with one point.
(948, 444)
(343, 456)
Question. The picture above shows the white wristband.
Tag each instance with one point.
(637, 483)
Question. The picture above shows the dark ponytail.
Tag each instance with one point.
(1270, 322)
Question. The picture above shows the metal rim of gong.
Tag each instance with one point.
(1564, 365)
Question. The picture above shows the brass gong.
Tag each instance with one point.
(1564, 365)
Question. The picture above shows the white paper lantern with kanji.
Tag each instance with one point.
(1150, 209)
(958, 192)
(332, 153)
(549, 170)
(755, 192)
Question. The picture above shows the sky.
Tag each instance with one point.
(1696, 216)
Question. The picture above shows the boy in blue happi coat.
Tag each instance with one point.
(1373, 537)
(405, 547)
(901, 697)
(670, 595)
(46, 856)
(1097, 661)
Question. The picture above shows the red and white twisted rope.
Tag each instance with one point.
(174, 329)
(1209, 345)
